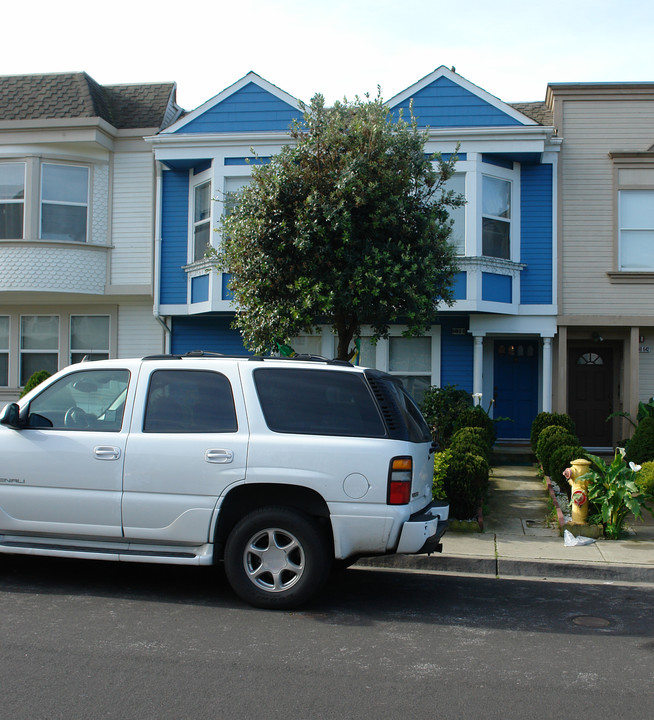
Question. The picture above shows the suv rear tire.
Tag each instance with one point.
(277, 558)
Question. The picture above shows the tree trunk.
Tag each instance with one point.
(345, 329)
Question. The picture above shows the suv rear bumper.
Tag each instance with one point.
(422, 532)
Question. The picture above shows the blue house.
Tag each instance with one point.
(495, 341)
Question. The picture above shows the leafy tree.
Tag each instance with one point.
(348, 225)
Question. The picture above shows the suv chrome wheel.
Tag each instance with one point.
(274, 559)
(277, 557)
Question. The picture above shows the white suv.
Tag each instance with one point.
(280, 468)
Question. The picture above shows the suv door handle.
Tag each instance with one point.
(106, 452)
(218, 456)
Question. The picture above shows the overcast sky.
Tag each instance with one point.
(510, 48)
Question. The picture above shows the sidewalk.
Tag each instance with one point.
(516, 541)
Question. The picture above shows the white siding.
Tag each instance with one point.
(139, 333)
(133, 219)
(591, 129)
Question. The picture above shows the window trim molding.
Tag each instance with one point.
(627, 161)
(89, 199)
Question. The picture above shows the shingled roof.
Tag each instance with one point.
(537, 111)
(77, 95)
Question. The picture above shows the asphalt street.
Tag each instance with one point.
(103, 640)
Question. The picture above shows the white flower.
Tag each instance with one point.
(634, 467)
(622, 451)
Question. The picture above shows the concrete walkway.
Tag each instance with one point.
(517, 541)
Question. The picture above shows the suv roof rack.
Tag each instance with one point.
(254, 358)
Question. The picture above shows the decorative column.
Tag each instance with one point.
(547, 374)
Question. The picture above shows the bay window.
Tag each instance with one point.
(12, 200)
(64, 202)
(496, 217)
(201, 219)
(457, 184)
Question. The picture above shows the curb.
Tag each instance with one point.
(499, 567)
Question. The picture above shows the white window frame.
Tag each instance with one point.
(622, 231)
(65, 203)
(196, 181)
(509, 221)
(13, 201)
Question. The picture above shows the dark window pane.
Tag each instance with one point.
(63, 222)
(11, 221)
(189, 401)
(34, 362)
(496, 238)
(316, 402)
(4, 369)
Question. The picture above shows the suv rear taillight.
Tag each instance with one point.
(400, 475)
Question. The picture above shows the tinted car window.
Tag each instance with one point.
(189, 401)
(315, 402)
(85, 400)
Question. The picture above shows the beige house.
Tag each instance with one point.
(77, 189)
(604, 350)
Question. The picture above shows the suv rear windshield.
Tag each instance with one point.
(317, 402)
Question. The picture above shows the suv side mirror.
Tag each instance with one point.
(10, 415)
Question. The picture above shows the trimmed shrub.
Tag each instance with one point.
(550, 438)
(35, 379)
(441, 463)
(477, 417)
(441, 407)
(645, 479)
(641, 445)
(465, 483)
(471, 439)
(544, 419)
(560, 459)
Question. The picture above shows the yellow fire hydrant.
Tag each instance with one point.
(579, 498)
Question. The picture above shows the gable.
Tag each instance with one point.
(445, 103)
(249, 109)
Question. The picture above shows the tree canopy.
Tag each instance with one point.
(347, 226)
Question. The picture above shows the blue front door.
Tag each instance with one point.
(515, 385)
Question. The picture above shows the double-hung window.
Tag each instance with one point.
(12, 200)
(64, 202)
(201, 219)
(409, 358)
(39, 345)
(89, 337)
(457, 184)
(4, 350)
(636, 230)
(496, 217)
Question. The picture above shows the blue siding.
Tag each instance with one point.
(200, 289)
(250, 109)
(536, 234)
(443, 103)
(174, 237)
(460, 285)
(496, 288)
(206, 332)
(456, 355)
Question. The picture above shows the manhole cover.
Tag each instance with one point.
(591, 622)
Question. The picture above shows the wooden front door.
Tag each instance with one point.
(590, 393)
